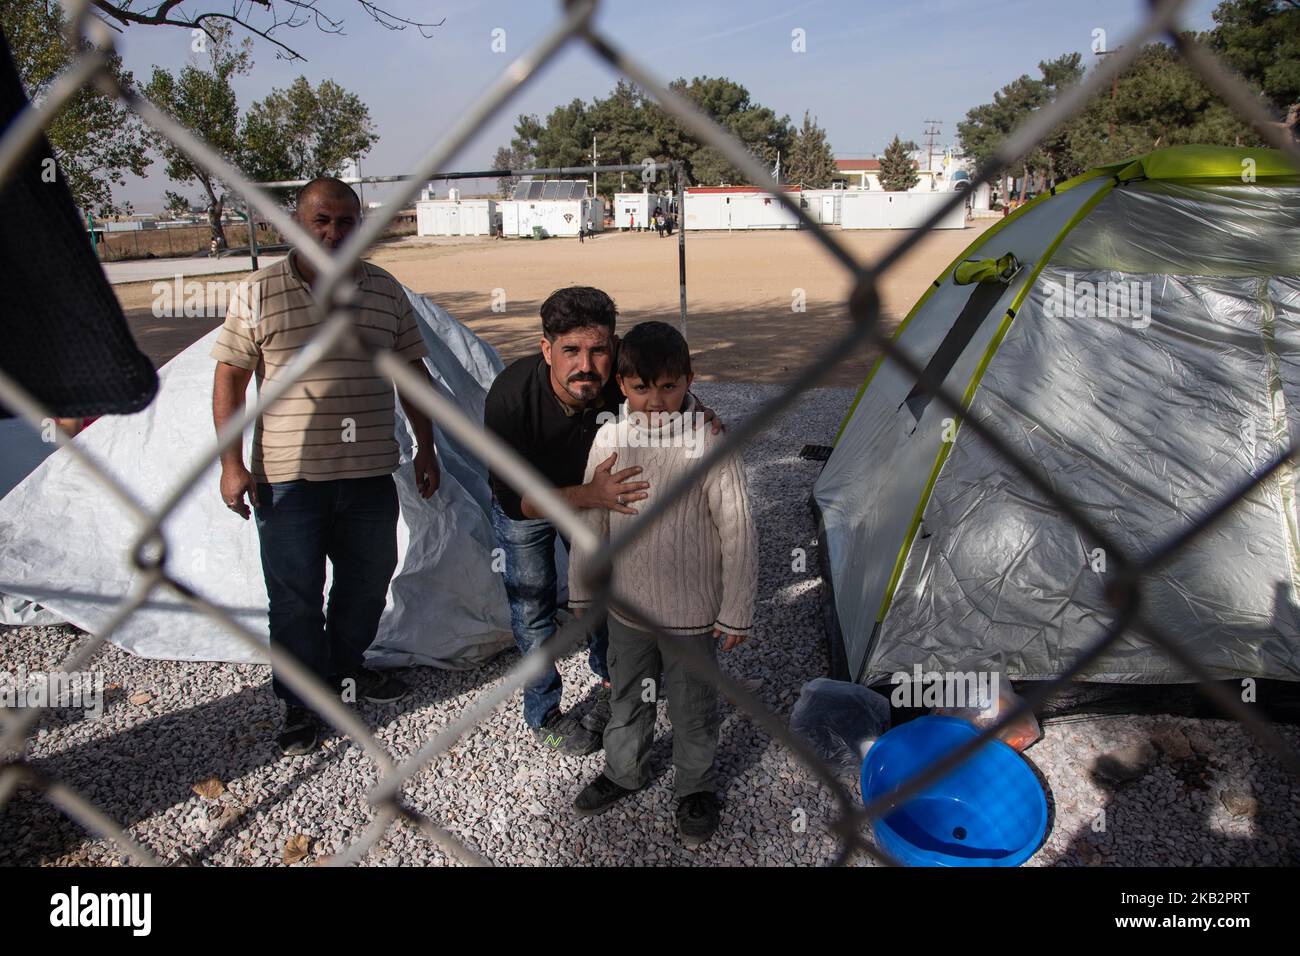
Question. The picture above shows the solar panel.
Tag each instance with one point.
(551, 189)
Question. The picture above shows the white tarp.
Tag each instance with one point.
(65, 542)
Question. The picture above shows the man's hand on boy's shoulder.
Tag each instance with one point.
(729, 641)
(710, 417)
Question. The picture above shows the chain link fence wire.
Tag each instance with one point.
(332, 308)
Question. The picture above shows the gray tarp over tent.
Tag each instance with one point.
(1144, 409)
(65, 542)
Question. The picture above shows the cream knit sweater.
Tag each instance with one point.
(697, 567)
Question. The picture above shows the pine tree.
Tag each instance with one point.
(811, 161)
(897, 171)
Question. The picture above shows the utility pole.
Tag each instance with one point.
(930, 133)
(1114, 85)
(593, 162)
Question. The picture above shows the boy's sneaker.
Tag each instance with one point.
(299, 733)
(599, 795)
(380, 688)
(598, 716)
(561, 732)
(697, 817)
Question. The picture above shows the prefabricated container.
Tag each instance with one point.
(880, 209)
(455, 217)
(737, 207)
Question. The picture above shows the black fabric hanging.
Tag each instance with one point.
(62, 333)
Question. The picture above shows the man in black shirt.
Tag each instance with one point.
(548, 408)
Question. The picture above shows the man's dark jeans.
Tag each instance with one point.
(353, 523)
(531, 582)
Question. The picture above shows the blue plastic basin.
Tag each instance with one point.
(989, 811)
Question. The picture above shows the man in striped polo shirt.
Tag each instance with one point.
(320, 480)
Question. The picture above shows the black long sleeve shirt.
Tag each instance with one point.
(523, 409)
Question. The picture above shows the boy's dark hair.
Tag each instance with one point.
(576, 307)
(653, 351)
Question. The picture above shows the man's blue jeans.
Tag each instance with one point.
(531, 586)
(353, 523)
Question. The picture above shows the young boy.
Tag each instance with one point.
(694, 572)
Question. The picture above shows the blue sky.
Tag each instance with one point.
(872, 68)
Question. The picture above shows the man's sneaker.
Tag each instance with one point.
(299, 733)
(697, 817)
(599, 795)
(598, 716)
(561, 732)
(380, 688)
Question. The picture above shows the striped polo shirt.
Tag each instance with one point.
(338, 421)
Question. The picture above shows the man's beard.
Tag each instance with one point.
(575, 388)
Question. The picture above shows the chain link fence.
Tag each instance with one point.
(332, 303)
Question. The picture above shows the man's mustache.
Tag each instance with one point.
(584, 378)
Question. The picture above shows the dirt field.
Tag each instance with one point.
(740, 289)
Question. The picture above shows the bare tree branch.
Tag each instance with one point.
(284, 14)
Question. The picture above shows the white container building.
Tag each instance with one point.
(633, 210)
(560, 207)
(737, 207)
(878, 209)
(456, 217)
(822, 205)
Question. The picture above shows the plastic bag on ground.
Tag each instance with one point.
(1019, 735)
(839, 719)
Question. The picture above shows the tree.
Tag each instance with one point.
(175, 205)
(986, 126)
(302, 133)
(897, 170)
(811, 160)
(624, 136)
(263, 18)
(96, 142)
(728, 104)
(1159, 101)
(630, 128)
(1260, 39)
(1053, 159)
(520, 154)
(203, 101)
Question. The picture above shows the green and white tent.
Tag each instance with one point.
(1136, 334)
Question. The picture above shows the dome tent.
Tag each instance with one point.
(1136, 334)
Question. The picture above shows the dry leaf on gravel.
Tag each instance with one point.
(296, 847)
(209, 787)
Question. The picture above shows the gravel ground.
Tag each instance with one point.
(1123, 791)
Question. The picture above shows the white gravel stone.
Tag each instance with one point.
(508, 799)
